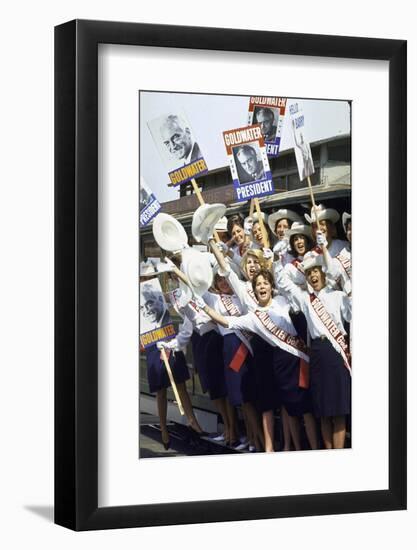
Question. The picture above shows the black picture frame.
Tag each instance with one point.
(76, 271)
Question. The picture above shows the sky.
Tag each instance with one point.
(210, 115)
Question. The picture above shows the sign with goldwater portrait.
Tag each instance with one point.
(178, 147)
(269, 113)
(155, 320)
(248, 162)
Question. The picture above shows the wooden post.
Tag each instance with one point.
(312, 200)
(261, 221)
(201, 201)
(171, 378)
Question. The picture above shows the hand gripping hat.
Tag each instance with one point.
(323, 213)
(282, 213)
(196, 266)
(255, 217)
(205, 219)
(169, 233)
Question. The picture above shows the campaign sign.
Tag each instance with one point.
(248, 161)
(302, 149)
(155, 322)
(178, 148)
(149, 206)
(269, 112)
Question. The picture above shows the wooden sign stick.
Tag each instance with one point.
(261, 221)
(201, 201)
(312, 200)
(173, 384)
(251, 208)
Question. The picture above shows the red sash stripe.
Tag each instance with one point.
(239, 358)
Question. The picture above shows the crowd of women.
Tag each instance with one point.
(270, 337)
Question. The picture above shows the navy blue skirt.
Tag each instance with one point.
(267, 390)
(330, 381)
(240, 385)
(158, 378)
(208, 362)
(296, 400)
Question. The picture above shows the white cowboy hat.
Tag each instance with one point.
(196, 266)
(346, 217)
(221, 225)
(169, 233)
(298, 228)
(282, 213)
(204, 220)
(146, 269)
(323, 213)
(312, 259)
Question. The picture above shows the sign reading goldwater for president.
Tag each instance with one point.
(302, 148)
(269, 113)
(248, 162)
(149, 205)
(178, 147)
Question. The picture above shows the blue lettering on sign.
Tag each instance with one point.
(294, 108)
(299, 122)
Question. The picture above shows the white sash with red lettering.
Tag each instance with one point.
(333, 333)
(234, 311)
(345, 261)
(287, 342)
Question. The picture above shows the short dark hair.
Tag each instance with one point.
(236, 219)
(309, 243)
(266, 274)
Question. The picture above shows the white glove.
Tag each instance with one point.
(170, 344)
(222, 247)
(281, 247)
(247, 226)
(268, 254)
(199, 302)
(321, 239)
(166, 266)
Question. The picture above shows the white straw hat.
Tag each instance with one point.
(196, 266)
(282, 213)
(169, 233)
(221, 225)
(346, 217)
(323, 213)
(204, 220)
(312, 259)
(298, 228)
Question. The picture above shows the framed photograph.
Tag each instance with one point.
(151, 121)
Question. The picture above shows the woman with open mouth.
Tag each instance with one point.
(325, 310)
(277, 350)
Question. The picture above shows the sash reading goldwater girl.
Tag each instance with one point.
(242, 351)
(284, 340)
(334, 334)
